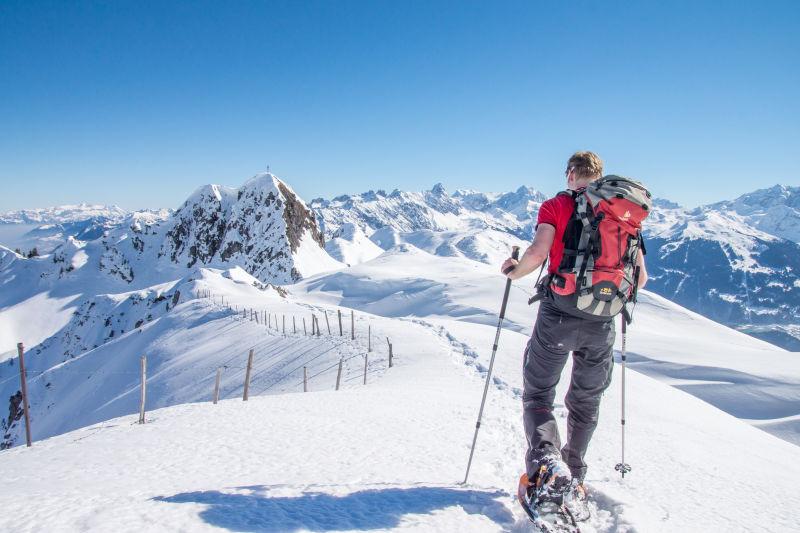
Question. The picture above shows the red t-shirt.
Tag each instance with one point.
(556, 212)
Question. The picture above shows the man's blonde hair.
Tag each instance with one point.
(588, 165)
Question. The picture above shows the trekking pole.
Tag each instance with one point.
(623, 467)
(514, 255)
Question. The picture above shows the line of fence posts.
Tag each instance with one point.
(315, 329)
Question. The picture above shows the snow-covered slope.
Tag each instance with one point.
(88, 371)
(389, 455)
(705, 358)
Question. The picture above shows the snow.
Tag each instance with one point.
(351, 245)
(704, 403)
(32, 321)
(311, 259)
(389, 455)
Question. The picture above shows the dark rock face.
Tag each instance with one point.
(198, 232)
(299, 219)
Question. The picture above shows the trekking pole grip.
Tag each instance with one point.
(514, 255)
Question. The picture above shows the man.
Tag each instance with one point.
(560, 329)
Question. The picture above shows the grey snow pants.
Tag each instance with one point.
(554, 336)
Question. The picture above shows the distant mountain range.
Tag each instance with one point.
(734, 261)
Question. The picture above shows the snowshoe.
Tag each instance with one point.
(577, 503)
(547, 511)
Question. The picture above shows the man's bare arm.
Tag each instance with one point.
(535, 255)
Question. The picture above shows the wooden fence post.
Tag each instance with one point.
(352, 325)
(305, 379)
(390, 355)
(24, 386)
(318, 328)
(366, 357)
(305, 331)
(369, 338)
(294, 326)
(339, 373)
(143, 395)
(216, 386)
(313, 326)
(326, 321)
(247, 375)
(339, 312)
(269, 323)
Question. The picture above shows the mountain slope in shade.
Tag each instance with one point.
(715, 261)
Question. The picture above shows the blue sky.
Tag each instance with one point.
(139, 103)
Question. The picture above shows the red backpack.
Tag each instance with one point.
(598, 275)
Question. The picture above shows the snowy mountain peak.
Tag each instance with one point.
(774, 210)
(264, 181)
(663, 203)
(439, 190)
(777, 195)
(209, 194)
(263, 226)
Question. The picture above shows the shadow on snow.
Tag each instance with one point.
(317, 511)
